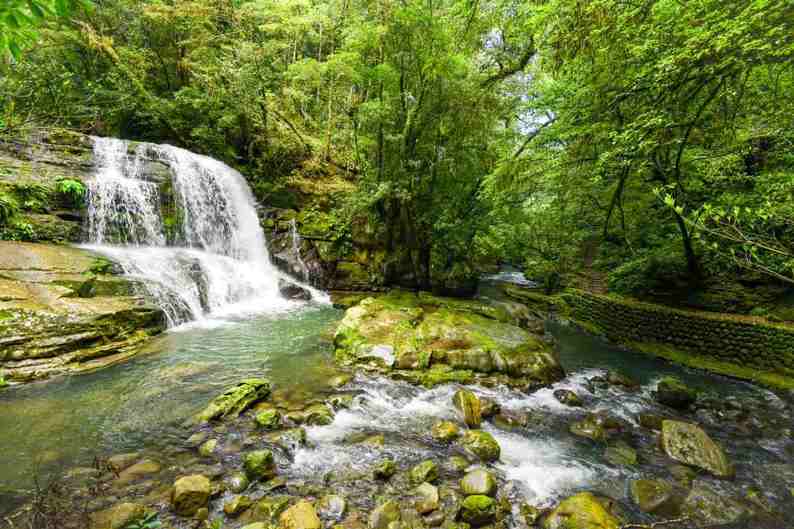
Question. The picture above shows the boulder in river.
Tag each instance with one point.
(653, 496)
(236, 399)
(190, 494)
(468, 405)
(259, 465)
(671, 392)
(117, 517)
(385, 469)
(445, 431)
(427, 500)
(424, 471)
(568, 397)
(291, 290)
(481, 444)
(478, 510)
(581, 511)
(300, 516)
(707, 506)
(689, 444)
(478, 482)
(384, 514)
(410, 332)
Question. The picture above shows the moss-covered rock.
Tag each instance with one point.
(478, 510)
(385, 469)
(670, 391)
(300, 516)
(478, 482)
(404, 331)
(259, 465)
(653, 495)
(689, 444)
(445, 431)
(268, 419)
(236, 399)
(427, 498)
(190, 494)
(581, 511)
(482, 445)
(424, 471)
(469, 406)
(384, 514)
(117, 517)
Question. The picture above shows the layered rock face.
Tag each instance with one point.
(431, 340)
(63, 310)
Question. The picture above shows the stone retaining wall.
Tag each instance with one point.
(740, 346)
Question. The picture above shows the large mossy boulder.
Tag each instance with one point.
(469, 406)
(190, 494)
(409, 332)
(119, 516)
(482, 445)
(236, 399)
(63, 310)
(689, 444)
(671, 392)
(259, 465)
(581, 511)
(478, 510)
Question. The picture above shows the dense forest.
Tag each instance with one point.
(651, 140)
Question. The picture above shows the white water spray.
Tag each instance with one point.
(296, 249)
(217, 262)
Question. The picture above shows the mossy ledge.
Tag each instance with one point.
(742, 347)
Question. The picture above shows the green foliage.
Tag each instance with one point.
(3, 382)
(17, 230)
(8, 208)
(72, 191)
(19, 20)
(653, 271)
(149, 521)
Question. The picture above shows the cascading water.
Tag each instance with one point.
(296, 249)
(185, 225)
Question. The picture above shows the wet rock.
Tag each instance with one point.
(208, 448)
(340, 402)
(291, 439)
(568, 397)
(488, 407)
(259, 465)
(683, 475)
(424, 471)
(237, 482)
(590, 428)
(482, 445)
(653, 495)
(478, 482)
(119, 462)
(478, 510)
(445, 431)
(688, 444)
(510, 420)
(707, 506)
(190, 494)
(300, 516)
(197, 438)
(620, 453)
(291, 290)
(650, 421)
(332, 507)
(339, 381)
(236, 399)
(375, 441)
(457, 464)
(435, 518)
(137, 471)
(385, 469)
(384, 514)
(671, 392)
(428, 498)
(616, 378)
(581, 511)
(318, 415)
(268, 419)
(117, 517)
(469, 406)
(236, 505)
(268, 508)
(530, 513)
(257, 525)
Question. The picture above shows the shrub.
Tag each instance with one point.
(72, 192)
(660, 270)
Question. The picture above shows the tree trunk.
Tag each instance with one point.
(692, 262)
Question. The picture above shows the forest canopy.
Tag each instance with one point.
(649, 142)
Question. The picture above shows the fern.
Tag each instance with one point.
(73, 191)
(8, 208)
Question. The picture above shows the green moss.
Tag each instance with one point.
(766, 378)
(101, 266)
(3, 382)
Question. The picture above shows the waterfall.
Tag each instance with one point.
(185, 225)
(296, 249)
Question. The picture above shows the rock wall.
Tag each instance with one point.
(734, 345)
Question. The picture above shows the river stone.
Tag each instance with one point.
(190, 494)
(689, 444)
(652, 495)
(197, 438)
(478, 510)
(375, 441)
(619, 379)
(568, 397)
(291, 439)
(342, 401)
(457, 464)
(478, 482)
(445, 431)
(580, 511)
(268, 508)
(318, 415)
(488, 407)
(435, 518)
(650, 421)
(332, 507)
(237, 482)
(590, 428)
(481, 444)
(257, 525)
(620, 453)
(671, 392)
(384, 515)
(339, 381)
(428, 498)
(236, 399)
(117, 517)
(424, 471)
(385, 469)
(300, 516)
(468, 405)
(208, 447)
(236, 505)
(137, 471)
(709, 507)
(259, 465)
(119, 462)
(530, 513)
(268, 419)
